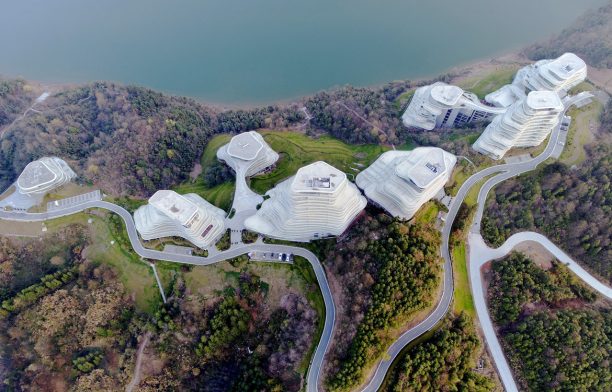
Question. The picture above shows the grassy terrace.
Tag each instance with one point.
(482, 86)
(297, 150)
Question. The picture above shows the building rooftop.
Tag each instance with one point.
(566, 64)
(544, 100)
(244, 146)
(174, 205)
(425, 170)
(446, 94)
(36, 174)
(318, 177)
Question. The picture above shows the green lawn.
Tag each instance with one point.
(579, 132)
(297, 150)
(427, 213)
(463, 296)
(485, 84)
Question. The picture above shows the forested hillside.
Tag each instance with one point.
(15, 97)
(555, 330)
(590, 38)
(387, 270)
(436, 365)
(128, 140)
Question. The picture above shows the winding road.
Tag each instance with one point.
(316, 364)
(500, 172)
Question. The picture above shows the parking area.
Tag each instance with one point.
(178, 250)
(74, 200)
(271, 256)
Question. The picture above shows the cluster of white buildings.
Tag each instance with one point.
(524, 112)
(526, 123)
(189, 216)
(319, 201)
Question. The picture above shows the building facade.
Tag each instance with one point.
(318, 202)
(169, 214)
(527, 123)
(402, 181)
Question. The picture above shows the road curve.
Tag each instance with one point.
(487, 254)
(476, 243)
(316, 364)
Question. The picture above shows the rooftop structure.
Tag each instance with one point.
(562, 73)
(169, 214)
(319, 201)
(402, 181)
(505, 96)
(442, 105)
(43, 175)
(248, 151)
(527, 123)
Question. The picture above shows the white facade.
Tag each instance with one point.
(442, 105)
(562, 73)
(169, 214)
(247, 152)
(44, 175)
(402, 181)
(319, 201)
(527, 123)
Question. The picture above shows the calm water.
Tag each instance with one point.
(255, 51)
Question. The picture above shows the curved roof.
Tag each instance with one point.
(319, 177)
(244, 146)
(35, 175)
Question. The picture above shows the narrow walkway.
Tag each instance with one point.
(137, 369)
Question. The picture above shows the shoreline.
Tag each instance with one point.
(463, 68)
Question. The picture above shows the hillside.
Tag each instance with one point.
(590, 38)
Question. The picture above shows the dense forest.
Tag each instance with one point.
(15, 97)
(62, 317)
(557, 334)
(388, 269)
(443, 362)
(590, 38)
(572, 207)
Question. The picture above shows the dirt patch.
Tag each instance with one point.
(195, 172)
(602, 78)
(536, 252)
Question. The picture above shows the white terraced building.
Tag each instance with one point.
(169, 214)
(402, 181)
(249, 152)
(319, 201)
(527, 123)
(442, 105)
(44, 175)
(562, 73)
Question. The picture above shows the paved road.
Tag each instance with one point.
(485, 254)
(475, 242)
(313, 376)
(503, 171)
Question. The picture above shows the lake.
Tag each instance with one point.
(261, 51)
